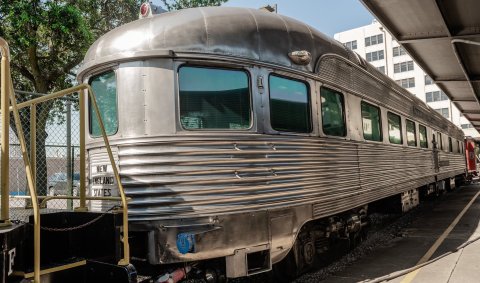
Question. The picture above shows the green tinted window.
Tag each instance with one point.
(411, 133)
(394, 128)
(289, 105)
(105, 90)
(422, 131)
(333, 118)
(214, 98)
(371, 122)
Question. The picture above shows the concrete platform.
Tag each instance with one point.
(434, 225)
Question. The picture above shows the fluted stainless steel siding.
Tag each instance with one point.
(188, 176)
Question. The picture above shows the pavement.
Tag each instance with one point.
(450, 222)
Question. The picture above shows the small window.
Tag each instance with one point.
(214, 98)
(422, 130)
(411, 133)
(104, 87)
(289, 105)
(371, 122)
(333, 116)
(394, 128)
(450, 144)
(458, 147)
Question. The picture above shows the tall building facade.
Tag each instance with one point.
(380, 49)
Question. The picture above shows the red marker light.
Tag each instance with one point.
(144, 9)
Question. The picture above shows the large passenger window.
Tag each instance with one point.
(394, 128)
(289, 105)
(371, 122)
(212, 98)
(422, 130)
(411, 133)
(105, 90)
(333, 116)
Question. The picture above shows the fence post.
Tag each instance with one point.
(33, 141)
(69, 153)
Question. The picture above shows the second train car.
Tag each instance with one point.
(244, 136)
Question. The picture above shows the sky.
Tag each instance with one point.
(327, 16)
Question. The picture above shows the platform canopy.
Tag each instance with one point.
(443, 37)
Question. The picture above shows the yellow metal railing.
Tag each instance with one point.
(9, 104)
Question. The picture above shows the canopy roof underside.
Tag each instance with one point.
(443, 37)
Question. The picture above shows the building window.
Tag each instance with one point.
(394, 128)
(352, 45)
(428, 80)
(422, 130)
(371, 122)
(375, 56)
(411, 133)
(398, 51)
(466, 126)
(450, 144)
(289, 105)
(434, 96)
(403, 67)
(375, 39)
(444, 112)
(333, 117)
(381, 69)
(406, 83)
(214, 98)
(104, 87)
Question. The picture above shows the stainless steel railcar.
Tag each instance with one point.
(240, 134)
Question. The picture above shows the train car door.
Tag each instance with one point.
(470, 156)
(435, 153)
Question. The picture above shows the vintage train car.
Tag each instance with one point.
(243, 135)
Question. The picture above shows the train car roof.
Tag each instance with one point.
(228, 31)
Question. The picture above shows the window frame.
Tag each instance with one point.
(217, 67)
(426, 136)
(379, 121)
(414, 132)
(439, 141)
(342, 95)
(309, 97)
(89, 103)
(400, 127)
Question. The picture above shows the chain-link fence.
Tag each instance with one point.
(57, 158)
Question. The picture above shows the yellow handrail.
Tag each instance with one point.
(7, 91)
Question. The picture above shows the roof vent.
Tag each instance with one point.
(301, 57)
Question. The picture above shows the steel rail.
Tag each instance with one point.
(7, 93)
(5, 116)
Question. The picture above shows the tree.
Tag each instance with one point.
(182, 4)
(48, 38)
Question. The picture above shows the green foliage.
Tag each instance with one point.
(48, 38)
(182, 4)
